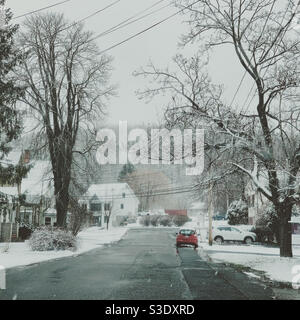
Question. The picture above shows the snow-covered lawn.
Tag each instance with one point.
(19, 253)
(257, 257)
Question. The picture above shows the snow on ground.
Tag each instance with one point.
(19, 253)
(257, 257)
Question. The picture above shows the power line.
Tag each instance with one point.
(162, 192)
(144, 30)
(41, 9)
(124, 24)
(92, 15)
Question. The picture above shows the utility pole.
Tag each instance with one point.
(210, 212)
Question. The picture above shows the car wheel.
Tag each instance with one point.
(248, 240)
(219, 240)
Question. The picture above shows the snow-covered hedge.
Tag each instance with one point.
(165, 221)
(47, 239)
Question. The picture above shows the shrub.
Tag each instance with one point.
(154, 220)
(47, 239)
(80, 217)
(267, 226)
(165, 221)
(25, 231)
(264, 234)
(238, 213)
(180, 220)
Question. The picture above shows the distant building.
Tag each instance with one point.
(175, 212)
(117, 198)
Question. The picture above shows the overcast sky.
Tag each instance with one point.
(158, 44)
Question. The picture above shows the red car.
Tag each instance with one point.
(187, 237)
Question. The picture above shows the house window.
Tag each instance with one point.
(123, 195)
(122, 206)
(107, 206)
(48, 221)
(95, 206)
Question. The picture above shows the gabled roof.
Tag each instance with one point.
(38, 182)
(12, 158)
(39, 179)
(107, 191)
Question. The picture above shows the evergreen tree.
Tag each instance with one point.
(126, 170)
(10, 121)
(238, 213)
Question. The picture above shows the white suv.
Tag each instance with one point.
(228, 233)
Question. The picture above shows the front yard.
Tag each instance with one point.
(19, 254)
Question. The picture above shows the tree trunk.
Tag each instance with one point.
(62, 199)
(62, 203)
(285, 230)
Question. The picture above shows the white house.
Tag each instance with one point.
(117, 198)
(37, 187)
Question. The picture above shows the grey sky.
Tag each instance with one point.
(158, 44)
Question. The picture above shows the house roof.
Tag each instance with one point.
(109, 190)
(12, 158)
(11, 191)
(39, 179)
(38, 182)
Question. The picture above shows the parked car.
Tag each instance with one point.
(219, 218)
(187, 237)
(228, 233)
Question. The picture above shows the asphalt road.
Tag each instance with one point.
(143, 265)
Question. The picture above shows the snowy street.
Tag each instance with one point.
(143, 265)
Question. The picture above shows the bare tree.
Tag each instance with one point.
(108, 208)
(66, 81)
(79, 216)
(261, 35)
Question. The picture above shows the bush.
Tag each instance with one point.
(263, 234)
(25, 232)
(267, 226)
(165, 221)
(180, 220)
(47, 239)
(154, 220)
(80, 217)
(237, 213)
